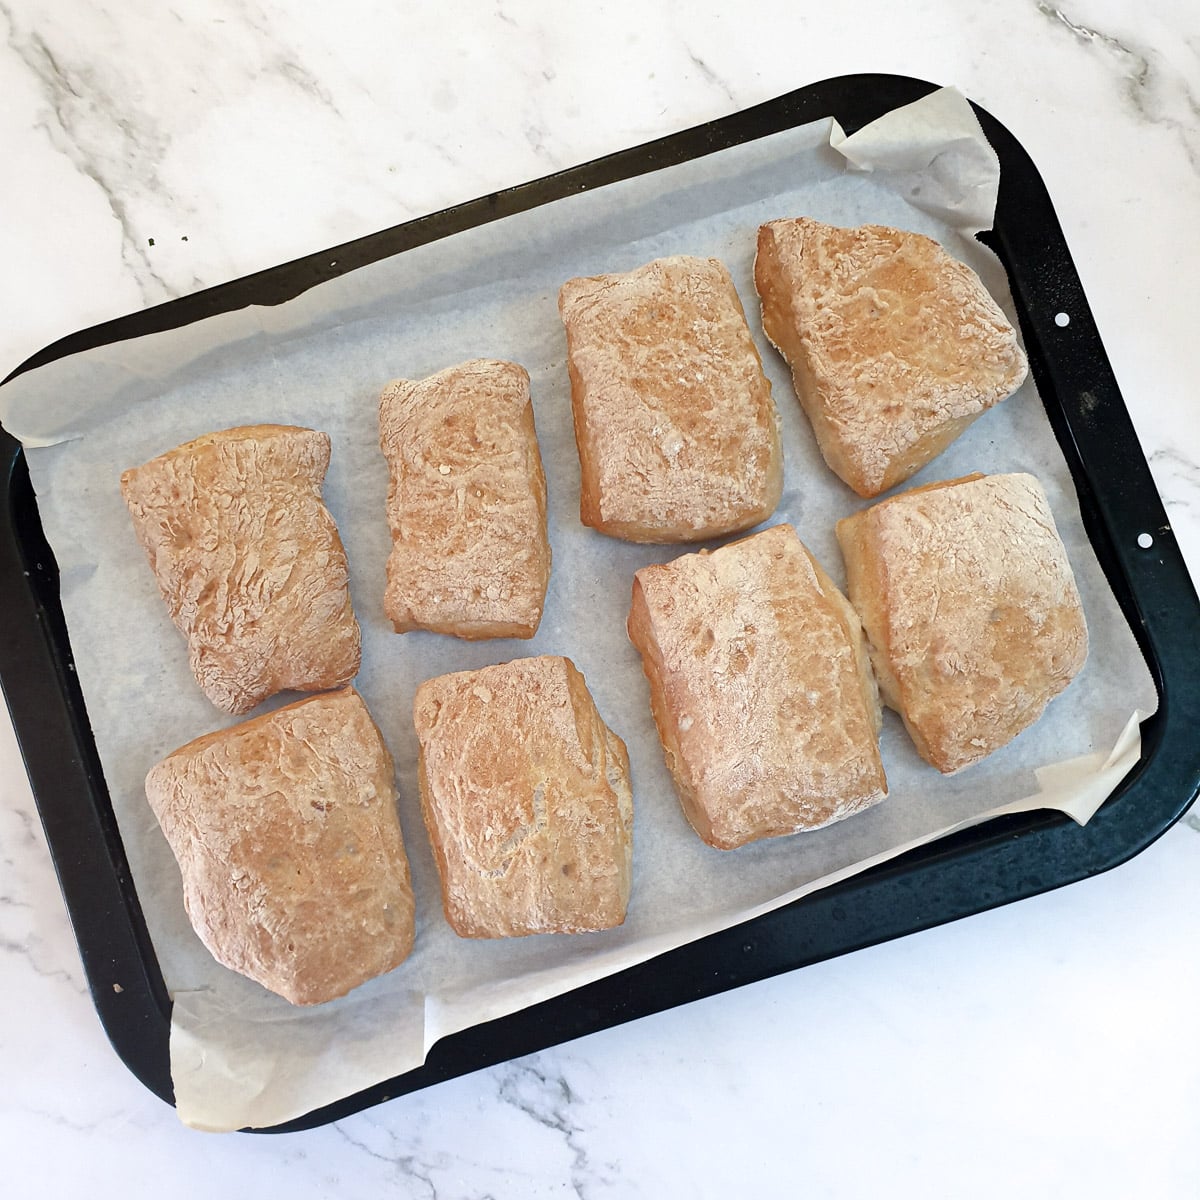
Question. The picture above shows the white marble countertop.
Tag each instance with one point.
(1042, 1049)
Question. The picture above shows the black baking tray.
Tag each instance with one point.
(1004, 860)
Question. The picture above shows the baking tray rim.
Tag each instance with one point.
(1005, 860)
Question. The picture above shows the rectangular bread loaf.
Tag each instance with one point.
(677, 433)
(971, 611)
(289, 844)
(526, 798)
(249, 561)
(760, 688)
(466, 503)
(895, 347)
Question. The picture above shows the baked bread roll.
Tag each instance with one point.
(526, 798)
(677, 433)
(249, 561)
(972, 614)
(467, 503)
(895, 347)
(286, 834)
(760, 688)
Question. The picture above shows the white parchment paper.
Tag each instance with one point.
(243, 1057)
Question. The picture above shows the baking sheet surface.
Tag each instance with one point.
(241, 1056)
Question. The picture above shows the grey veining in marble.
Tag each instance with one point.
(1179, 473)
(1157, 89)
(540, 1091)
(83, 121)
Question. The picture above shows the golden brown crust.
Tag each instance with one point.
(288, 841)
(760, 688)
(972, 615)
(466, 504)
(677, 433)
(248, 561)
(526, 797)
(895, 347)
